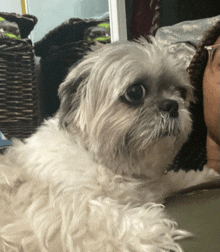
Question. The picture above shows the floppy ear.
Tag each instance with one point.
(73, 89)
(69, 94)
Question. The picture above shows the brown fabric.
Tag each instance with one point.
(145, 18)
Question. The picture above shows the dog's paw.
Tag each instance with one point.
(112, 227)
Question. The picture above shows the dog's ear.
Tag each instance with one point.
(69, 94)
(73, 89)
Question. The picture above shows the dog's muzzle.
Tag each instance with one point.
(169, 106)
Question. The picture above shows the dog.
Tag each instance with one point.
(93, 178)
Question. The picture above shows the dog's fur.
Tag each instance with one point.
(92, 178)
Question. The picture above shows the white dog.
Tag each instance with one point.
(92, 178)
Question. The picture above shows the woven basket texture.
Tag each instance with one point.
(19, 99)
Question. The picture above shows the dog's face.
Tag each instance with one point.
(129, 102)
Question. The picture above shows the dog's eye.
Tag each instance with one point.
(183, 93)
(135, 93)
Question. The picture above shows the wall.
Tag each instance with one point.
(11, 6)
(51, 13)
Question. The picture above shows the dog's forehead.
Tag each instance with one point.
(133, 50)
(142, 65)
(121, 65)
(132, 57)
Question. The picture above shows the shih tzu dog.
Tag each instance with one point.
(92, 179)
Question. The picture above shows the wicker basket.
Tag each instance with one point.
(19, 100)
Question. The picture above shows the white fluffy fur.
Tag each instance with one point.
(92, 179)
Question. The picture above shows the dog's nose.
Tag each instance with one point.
(170, 106)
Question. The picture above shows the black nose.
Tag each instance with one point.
(170, 106)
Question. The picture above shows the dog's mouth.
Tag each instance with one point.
(167, 133)
(166, 126)
(169, 124)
